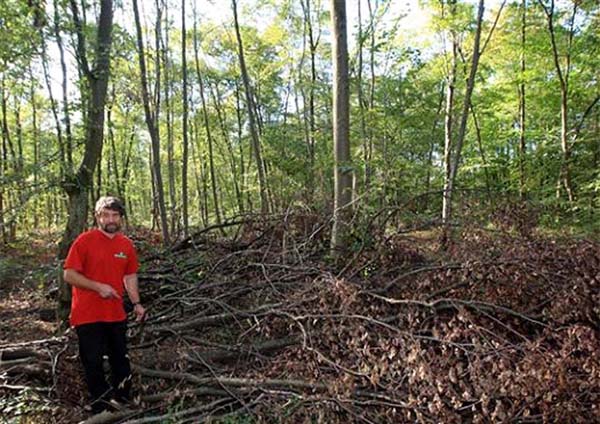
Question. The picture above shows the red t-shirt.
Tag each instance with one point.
(105, 260)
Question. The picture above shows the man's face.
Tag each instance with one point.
(109, 220)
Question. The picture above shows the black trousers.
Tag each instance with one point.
(99, 339)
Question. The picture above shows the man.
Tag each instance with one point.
(101, 264)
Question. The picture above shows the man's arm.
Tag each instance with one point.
(131, 285)
(77, 279)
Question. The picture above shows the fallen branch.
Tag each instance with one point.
(441, 304)
(229, 381)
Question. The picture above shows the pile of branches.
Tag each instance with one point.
(263, 325)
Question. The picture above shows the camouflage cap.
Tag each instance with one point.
(110, 202)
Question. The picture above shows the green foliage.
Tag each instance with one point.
(397, 133)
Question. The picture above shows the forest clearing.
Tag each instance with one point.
(303, 211)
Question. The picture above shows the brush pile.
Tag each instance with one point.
(262, 326)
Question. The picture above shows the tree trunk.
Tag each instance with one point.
(232, 161)
(197, 162)
(482, 154)
(448, 121)
(3, 170)
(167, 87)
(433, 142)
(361, 104)
(36, 152)
(313, 44)
(113, 163)
(65, 101)
(455, 162)
(371, 99)
(563, 76)
(77, 187)
(341, 129)
(185, 159)
(522, 145)
(264, 202)
(209, 137)
(151, 122)
(64, 169)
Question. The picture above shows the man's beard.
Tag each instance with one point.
(111, 228)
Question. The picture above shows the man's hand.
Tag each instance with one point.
(140, 312)
(106, 291)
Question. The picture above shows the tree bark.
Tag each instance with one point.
(185, 159)
(563, 76)
(448, 127)
(168, 89)
(433, 141)
(482, 154)
(64, 170)
(522, 145)
(36, 147)
(361, 103)
(455, 162)
(341, 129)
(232, 161)
(151, 122)
(65, 100)
(264, 201)
(312, 44)
(3, 170)
(207, 129)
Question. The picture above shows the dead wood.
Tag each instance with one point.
(260, 325)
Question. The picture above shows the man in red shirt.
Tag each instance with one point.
(101, 265)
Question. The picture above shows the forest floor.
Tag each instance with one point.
(496, 324)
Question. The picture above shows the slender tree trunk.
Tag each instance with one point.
(522, 145)
(243, 169)
(448, 127)
(264, 201)
(6, 135)
(153, 194)
(313, 43)
(596, 165)
(168, 89)
(433, 140)
(151, 122)
(563, 76)
(20, 219)
(232, 160)
(195, 163)
(65, 97)
(201, 179)
(361, 102)
(482, 154)
(124, 177)
(113, 163)
(36, 153)
(3, 171)
(341, 129)
(10, 201)
(454, 164)
(371, 100)
(185, 159)
(209, 137)
(78, 186)
(64, 169)
(19, 164)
